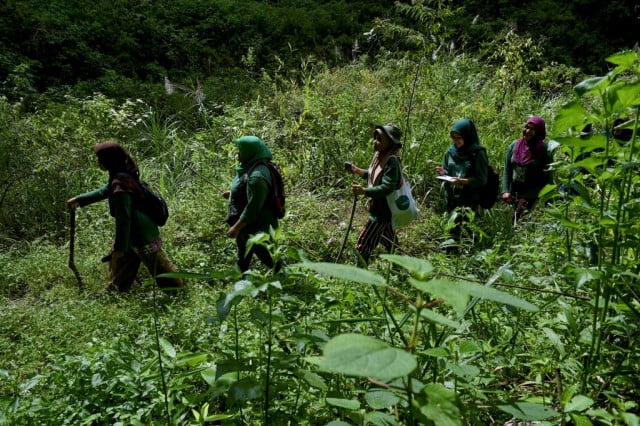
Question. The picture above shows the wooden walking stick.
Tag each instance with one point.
(72, 238)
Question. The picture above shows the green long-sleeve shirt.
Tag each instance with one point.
(391, 175)
(133, 227)
(250, 197)
(475, 168)
(526, 180)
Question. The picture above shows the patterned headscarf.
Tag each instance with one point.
(526, 152)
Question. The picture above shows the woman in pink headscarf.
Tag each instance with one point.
(526, 166)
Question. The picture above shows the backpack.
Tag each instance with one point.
(150, 202)
(277, 192)
(489, 192)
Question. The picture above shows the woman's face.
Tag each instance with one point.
(528, 131)
(380, 141)
(458, 140)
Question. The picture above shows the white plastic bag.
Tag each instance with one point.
(402, 205)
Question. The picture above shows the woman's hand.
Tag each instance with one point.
(72, 203)
(235, 229)
(506, 197)
(441, 171)
(226, 195)
(357, 189)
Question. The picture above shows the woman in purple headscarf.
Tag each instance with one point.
(526, 166)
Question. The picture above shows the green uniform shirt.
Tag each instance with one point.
(391, 175)
(526, 180)
(133, 227)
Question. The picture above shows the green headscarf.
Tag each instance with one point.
(252, 149)
(467, 130)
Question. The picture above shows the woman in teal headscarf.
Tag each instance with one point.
(466, 168)
(248, 209)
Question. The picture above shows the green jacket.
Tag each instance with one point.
(473, 166)
(526, 180)
(391, 175)
(250, 188)
(133, 227)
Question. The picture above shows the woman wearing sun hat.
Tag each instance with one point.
(383, 177)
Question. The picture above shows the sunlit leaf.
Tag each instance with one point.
(624, 59)
(418, 268)
(579, 403)
(457, 293)
(570, 116)
(344, 272)
(451, 292)
(364, 356)
(592, 84)
(167, 348)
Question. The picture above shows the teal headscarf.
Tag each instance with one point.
(467, 130)
(252, 149)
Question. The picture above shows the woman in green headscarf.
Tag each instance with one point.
(465, 170)
(465, 166)
(248, 209)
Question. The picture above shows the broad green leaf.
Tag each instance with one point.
(593, 84)
(344, 272)
(451, 292)
(579, 403)
(442, 407)
(466, 372)
(469, 347)
(418, 268)
(528, 411)
(457, 294)
(379, 399)
(209, 375)
(191, 359)
(570, 117)
(338, 423)
(495, 295)
(364, 356)
(627, 95)
(555, 339)
(378, 418)
(437, 318)
(167, 348)
(314, 380)
(625, 59)
(349, 404)
(437, 352)
(580, 420)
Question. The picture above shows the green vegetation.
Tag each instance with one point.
(533, 323)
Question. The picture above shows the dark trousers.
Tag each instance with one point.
(244, 257)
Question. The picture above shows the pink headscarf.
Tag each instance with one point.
(524, 152)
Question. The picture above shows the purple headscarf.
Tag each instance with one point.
(525, 152)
